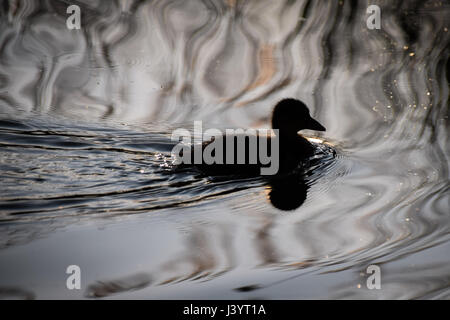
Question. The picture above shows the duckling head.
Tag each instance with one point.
(292, 115)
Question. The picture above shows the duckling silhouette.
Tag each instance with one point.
(289, 116)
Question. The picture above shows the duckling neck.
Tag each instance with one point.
(287, 135)
(293, 143)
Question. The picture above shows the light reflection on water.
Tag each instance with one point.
(85, 124)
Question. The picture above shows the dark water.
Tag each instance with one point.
(86, 178)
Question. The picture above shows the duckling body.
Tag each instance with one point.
(289, 117)
(293, 150)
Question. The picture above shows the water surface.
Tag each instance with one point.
(86, 178)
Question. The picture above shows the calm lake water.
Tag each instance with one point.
(86, 179)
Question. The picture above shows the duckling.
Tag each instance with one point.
(289, 116)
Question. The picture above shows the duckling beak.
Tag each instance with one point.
(315, 125)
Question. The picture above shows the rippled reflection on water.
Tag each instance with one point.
(85, 124)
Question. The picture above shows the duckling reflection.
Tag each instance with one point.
(288, 193)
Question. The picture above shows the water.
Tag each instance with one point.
(86, 178)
